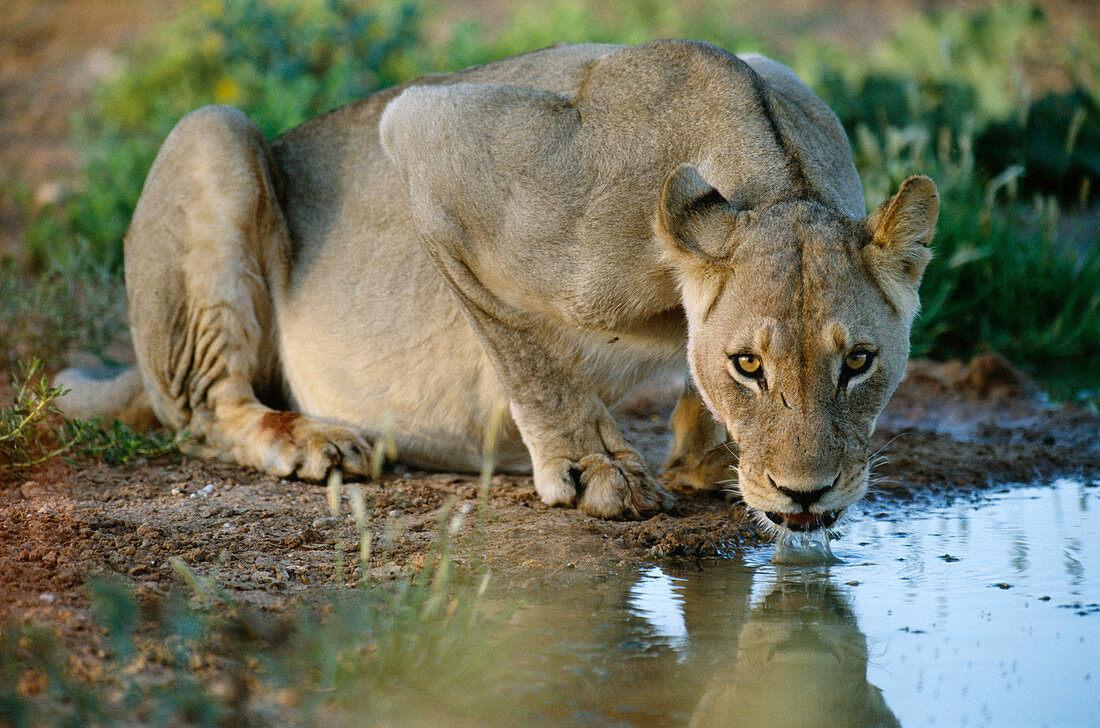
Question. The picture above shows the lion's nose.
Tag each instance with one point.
(804, 498)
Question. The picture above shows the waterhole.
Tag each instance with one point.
(969, 613)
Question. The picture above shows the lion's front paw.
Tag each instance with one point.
(609, 486)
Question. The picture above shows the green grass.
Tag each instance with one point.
(30, 435)
(70, 304)
(351, 656)
(1000, 279)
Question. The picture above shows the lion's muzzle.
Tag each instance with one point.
(814, 504)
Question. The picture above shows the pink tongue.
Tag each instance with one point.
(801, 518)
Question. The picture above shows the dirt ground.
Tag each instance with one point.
(951, 430)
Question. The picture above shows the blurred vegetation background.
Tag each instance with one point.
(996, 102)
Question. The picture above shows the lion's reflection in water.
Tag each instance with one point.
(796, 658)
(721, 645)
(801, 661)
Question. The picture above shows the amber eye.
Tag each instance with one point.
(748, 365)
(857, 362)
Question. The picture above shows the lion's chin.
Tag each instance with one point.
(804, 521)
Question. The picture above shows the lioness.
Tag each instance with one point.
(548, 230)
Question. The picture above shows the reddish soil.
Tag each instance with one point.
(951, 429)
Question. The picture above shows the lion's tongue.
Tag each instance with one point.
(802, 519)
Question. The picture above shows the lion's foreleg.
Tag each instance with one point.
(579, 455)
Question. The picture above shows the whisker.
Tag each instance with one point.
(764, 523)
(877, 484)
(877, 461)
(890, 442)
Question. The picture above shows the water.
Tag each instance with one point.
(801, 548)
(979, 613)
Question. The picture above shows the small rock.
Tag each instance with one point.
(46, 597)
(293, 540)
(30, 489)
(323, 521)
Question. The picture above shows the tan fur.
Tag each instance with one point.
(530, 231)
(805, 640)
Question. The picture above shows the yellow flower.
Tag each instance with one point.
(226, 90)
(213, 9)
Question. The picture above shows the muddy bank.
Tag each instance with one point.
(950, 429)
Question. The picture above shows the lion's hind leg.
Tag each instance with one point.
(207, 260)
(279, 442)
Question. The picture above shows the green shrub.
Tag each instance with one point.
(72, 304)
(1000, 279)
(282, 63)
(965, 73)
(25, 439)
(972, 71)
(530, 27)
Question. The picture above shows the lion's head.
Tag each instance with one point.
(798, 331)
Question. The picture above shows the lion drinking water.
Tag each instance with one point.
(550, 230)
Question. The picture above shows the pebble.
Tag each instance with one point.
(47, 597)
(324, 521)
(205, 492)
(31, 489)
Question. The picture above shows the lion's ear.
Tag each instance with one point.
(901, 231)
(694, 222)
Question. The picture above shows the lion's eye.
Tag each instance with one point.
(857, 362)
(748, 365)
